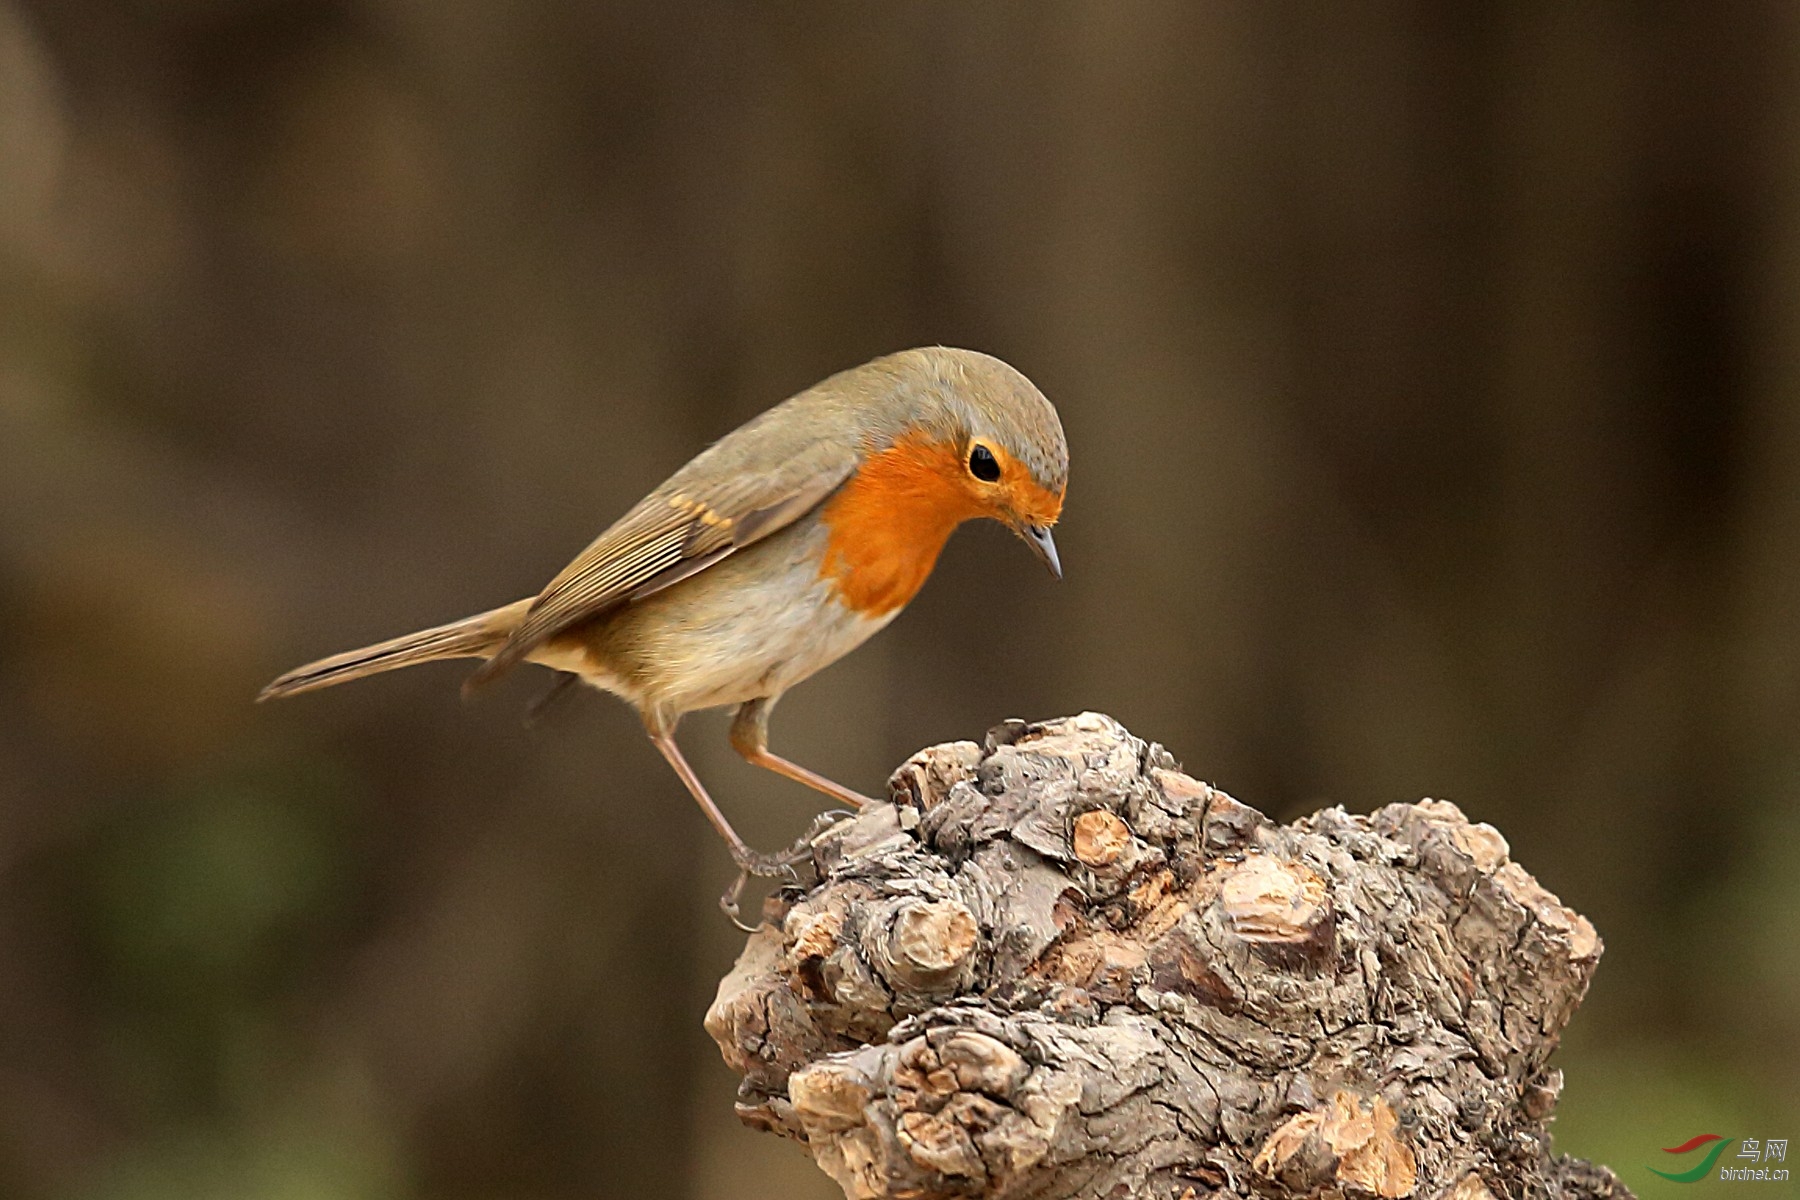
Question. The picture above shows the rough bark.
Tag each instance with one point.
(1055, 966)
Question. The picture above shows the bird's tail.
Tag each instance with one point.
(472, 637)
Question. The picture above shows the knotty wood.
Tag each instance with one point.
(1056, 966)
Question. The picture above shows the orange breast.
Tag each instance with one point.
(890, 521)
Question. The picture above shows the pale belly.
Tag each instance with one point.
(751, 626)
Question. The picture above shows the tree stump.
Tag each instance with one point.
(1055, 966)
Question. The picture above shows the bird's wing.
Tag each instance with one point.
(683, 527)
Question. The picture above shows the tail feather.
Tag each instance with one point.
(472, 637)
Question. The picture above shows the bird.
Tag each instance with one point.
(777, 550)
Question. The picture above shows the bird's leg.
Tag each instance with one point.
(750, 738)
(565, 682)
(748, 861)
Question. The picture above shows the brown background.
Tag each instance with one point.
(1431, 377)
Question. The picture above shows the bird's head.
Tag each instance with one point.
(999, 446)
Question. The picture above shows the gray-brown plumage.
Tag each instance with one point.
(773, 553)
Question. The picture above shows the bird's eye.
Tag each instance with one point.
(983, 465)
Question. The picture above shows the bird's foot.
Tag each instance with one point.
(728, 903)
(822, 822)
(779, 865)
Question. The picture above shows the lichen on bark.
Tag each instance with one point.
(1057, 966)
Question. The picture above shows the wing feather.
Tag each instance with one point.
(701, 515)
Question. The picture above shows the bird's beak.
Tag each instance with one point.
(1043, 545)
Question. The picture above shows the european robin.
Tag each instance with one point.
(772, 554)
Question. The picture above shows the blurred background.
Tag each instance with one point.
(1432, 377)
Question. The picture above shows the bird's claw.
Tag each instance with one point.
(779, 865)
(822, 822)
(728, 903)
